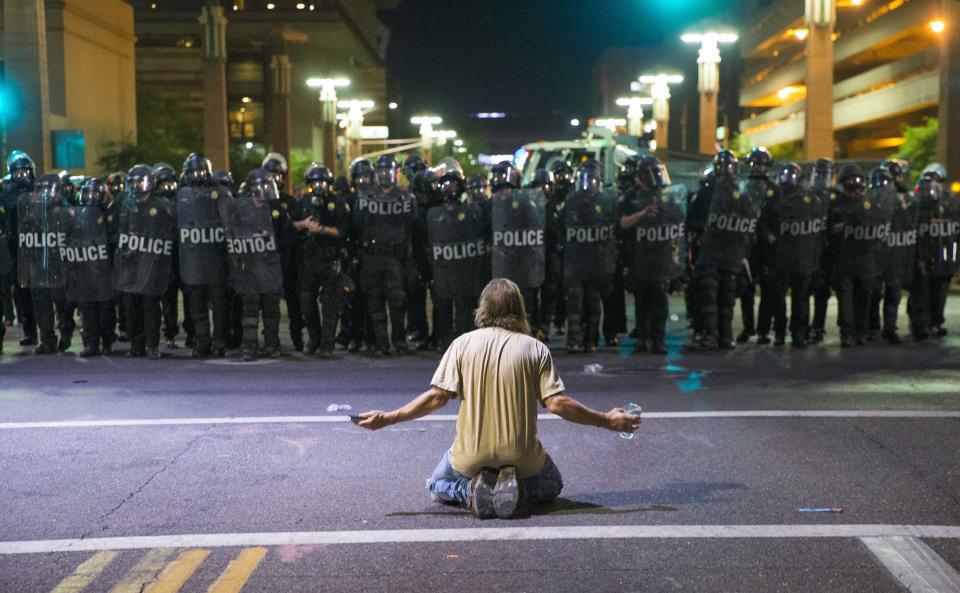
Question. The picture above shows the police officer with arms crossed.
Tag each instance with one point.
(321, 272)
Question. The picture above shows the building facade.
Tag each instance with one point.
(886, 73)
(272, 49)
(69, 79)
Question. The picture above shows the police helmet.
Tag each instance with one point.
(260, 184)
(503, 175)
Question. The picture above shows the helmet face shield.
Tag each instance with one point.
(854, 184)
(822, 177)
(264, 190)
(50, 190)
(93, 193)
(319, 186)
(140, 184)
(385, 176)
(588, 180)
(789, 176)
(21, 174)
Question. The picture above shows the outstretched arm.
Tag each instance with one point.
(427, 402)
(570, 409)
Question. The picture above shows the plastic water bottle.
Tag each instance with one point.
(634, 410)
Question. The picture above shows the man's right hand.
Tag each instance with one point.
(618, 420)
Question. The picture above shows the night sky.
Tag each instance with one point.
(523, 57)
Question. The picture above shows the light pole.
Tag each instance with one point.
(426, 123)
(820, 16)
(634, 107)
(660, 91)
(708, 82)
(325, 122)
(948, 146)
(441, 137)
(354, 126)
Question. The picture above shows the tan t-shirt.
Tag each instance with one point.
(500, 377)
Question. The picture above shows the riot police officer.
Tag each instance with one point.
(457, 231)
(698, 212)
(289, 243)
(87, 267)
(761, 189)
(938, 235)
(203, 254)
(359, 329)
(518, 228)
(422, 182)
(384, 218)
(477, 190)
(116, 191)
(727, 238)
(20, 179)
(793, 223)
(552, 288)
(590, 255)
(254, 261)
(39, 265)
(321, 270)
(144, 258)
(653, 220)
(167, 184)
(859, 224)
(900, 251)
(822, 187)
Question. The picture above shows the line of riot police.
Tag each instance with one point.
(355, 260)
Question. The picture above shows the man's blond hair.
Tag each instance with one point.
(501, 305)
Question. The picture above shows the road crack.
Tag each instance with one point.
(150, 479)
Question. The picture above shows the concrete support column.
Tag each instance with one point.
(820, 17)
(948, 145)
(325, 129)
(215, 131)
(708, 123)
(25, 63)
(277, 122)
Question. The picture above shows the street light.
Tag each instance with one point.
(426, 123)
(634, 107)
(354, 126)
(325, 122)
(660, 91)
(709, 81)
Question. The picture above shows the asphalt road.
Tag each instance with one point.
(179, 475)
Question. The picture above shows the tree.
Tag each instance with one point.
(920, 145)
(165, 132)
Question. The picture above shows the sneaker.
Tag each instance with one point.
(506, 493)
(481, 493)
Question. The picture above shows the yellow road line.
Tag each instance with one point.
(85, 573)
(144, 571)
(177, 572)
(235, 576)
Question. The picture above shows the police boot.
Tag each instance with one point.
(658, 347)
(28, 341)
(249, 354)
(891, 336)
(779, 339)
(107, 348)
(798, 340)
(763, 339)
(202, 349)
(311, 346)
(846, 340)
(65, 339)
(642, 346)
(745, 336)
(46, 348)
(153, 353)
(89, 350)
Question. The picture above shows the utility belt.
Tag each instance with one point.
(374, 248)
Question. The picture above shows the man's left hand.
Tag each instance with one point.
(374, 420)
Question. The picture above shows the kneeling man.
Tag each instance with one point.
(497, 465)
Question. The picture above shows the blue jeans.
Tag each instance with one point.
(450, 486)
